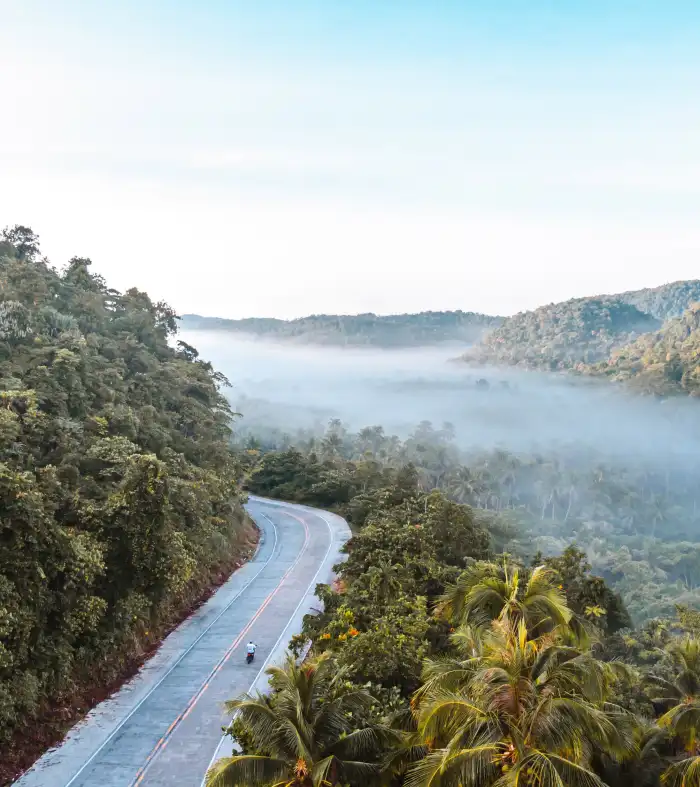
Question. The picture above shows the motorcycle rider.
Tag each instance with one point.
(250, 648)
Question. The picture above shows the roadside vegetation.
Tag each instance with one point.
(438, 659)
(119, 498)
(637, 521)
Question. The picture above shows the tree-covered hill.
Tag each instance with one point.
(582, 331)
(557, 335)
(562, 335)
(399, 330)
(119, 504)
(665, 302)
(666, 361)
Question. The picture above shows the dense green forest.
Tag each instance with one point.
(664, 362)
(586, 332)
(664, 302)
(638, 522)
(562, 335)
(439, 661)
(371, 330)
(119, 498)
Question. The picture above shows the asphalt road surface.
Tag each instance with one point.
(164, 726)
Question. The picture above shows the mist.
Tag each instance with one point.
(289, 387)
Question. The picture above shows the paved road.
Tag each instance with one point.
(164, 726)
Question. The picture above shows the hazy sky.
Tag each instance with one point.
(283, 158)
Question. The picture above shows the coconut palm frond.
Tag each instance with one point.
(685, 773)
(246, 770)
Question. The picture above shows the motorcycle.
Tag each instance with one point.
(249, 657)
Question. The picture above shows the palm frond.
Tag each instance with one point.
(263, 723)
(685, 773)
(358, 772)
(246, 771)
(470, 767)
(570, 774)
(366, 743)
(448, 713)
(402, 756)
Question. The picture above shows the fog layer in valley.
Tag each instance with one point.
(301, 387)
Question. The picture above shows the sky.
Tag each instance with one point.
(275, 158)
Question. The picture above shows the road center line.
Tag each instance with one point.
(179, 659)
(279, 639)
(162, 742)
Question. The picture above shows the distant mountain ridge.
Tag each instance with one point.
(663, 362)
(648, 337)
(371, 330)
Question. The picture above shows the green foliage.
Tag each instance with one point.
(562, 335)
(486, 592)
(663, 362)
(585, 331)
(291, 476)
(518, 671)
(118, 493)
(525, 709)
(665, 302)
(637, 523)
(588, 596)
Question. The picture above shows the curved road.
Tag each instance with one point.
(164, 726)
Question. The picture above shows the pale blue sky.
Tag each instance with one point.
(283, 158)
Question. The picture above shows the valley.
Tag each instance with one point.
(527, 488)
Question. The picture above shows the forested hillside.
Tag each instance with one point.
(583, 331)
(400, 330)
(119, 504)
(664, 362)
(562, 335)
(665, 302)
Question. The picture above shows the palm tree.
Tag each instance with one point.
(451, 673)
(681, 698)
(487, 591)
(531, 712)
(331, 446)
(462, 485)
(303, 735)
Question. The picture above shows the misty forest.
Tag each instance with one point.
(520, 598)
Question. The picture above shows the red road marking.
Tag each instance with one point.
(162, 742)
